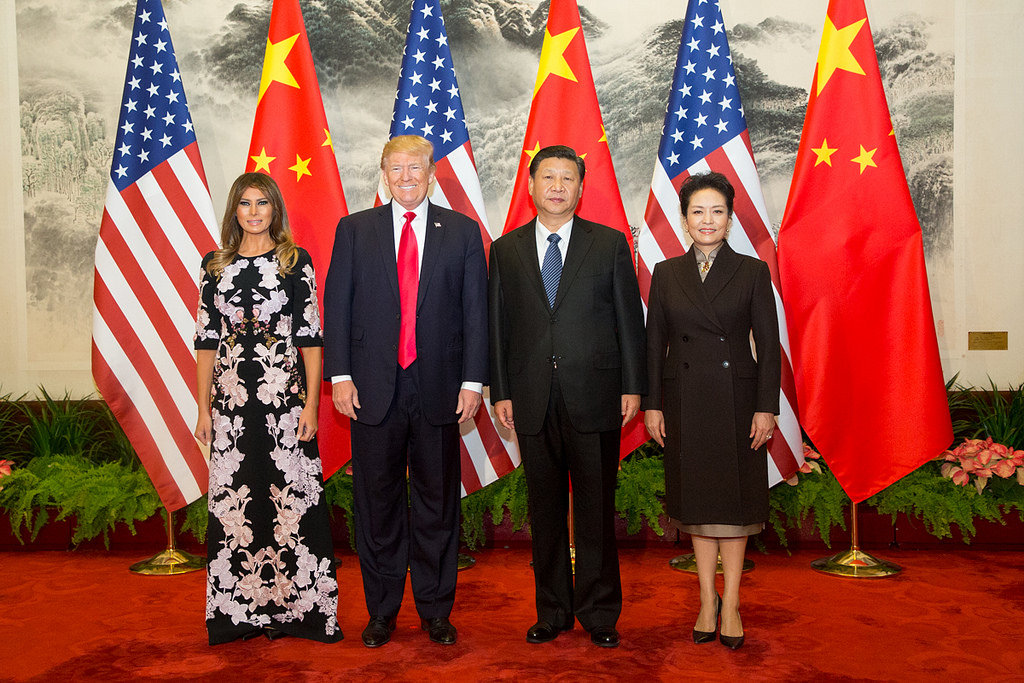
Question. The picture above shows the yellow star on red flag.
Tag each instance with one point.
(262, 161)
(835, 53)
(552, 57)
(274, 68)
(824, 152)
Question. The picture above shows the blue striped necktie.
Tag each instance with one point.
(551, 269)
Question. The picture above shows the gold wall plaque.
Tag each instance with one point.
(987, 341)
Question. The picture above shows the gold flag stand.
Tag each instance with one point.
(170, 561)
(854, 563)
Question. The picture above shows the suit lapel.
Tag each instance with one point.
(384, 229)
(432, 240)
(526, 247)
(686, 273)
(580, 241)
(726, 265)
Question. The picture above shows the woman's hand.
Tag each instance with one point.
(761, 429)
(204, 428)
(654, 420)
(307, 422)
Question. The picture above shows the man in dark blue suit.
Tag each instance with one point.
(405, 334)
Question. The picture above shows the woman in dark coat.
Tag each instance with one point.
(711, 405)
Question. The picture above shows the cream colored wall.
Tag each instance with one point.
(16, 375)
(989, 208)
(989, 186)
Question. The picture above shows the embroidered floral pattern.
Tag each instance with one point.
(271, 559)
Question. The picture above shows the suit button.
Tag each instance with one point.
(685, 338)
(721, 339)
(398, 316)
(686, 366)
(725, 364)
(394, 347)
(554, 320)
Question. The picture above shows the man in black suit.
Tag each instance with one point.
(405, 334)
(568, 360)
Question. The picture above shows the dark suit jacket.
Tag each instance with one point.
(705, 379)
(595, 330)
(362, 312)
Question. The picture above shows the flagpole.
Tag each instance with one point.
(171, 560)
(854, 563)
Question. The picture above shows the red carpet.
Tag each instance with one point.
(952, 615)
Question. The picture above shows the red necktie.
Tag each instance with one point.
(408, 286)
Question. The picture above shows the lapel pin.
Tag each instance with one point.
(436, 224)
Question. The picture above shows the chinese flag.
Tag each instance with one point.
(291, 142)
(565, 111)
(868, 378)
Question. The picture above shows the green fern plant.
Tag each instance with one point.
(338, 493)
(507, 493)
(641, 488)
(818, 495)
(98, 497)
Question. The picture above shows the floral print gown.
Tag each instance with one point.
(270, 556)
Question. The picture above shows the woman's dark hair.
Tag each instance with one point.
(710, 180)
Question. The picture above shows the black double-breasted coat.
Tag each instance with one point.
(704, 377)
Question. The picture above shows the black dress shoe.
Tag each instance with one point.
(378, 631)
(700, 637)
(543, 632)
(255, 633)
(604, 636)
(440, 630)
(732, 642)
(273, 633)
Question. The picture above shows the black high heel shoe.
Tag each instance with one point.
(731, 642)
(700, 637)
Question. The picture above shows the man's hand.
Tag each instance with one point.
(346, 398)
(469, 403)
(630, 407)
(503, 411)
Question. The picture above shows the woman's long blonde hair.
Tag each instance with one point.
(231, 232)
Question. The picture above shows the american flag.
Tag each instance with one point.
(158, 221)
(428, 103)
(705, 130)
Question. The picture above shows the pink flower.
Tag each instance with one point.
(957, 474)
(1004, 469)
(999, 449)
(984, 457)
(5, 466)
(810, 452)
(1020, 476)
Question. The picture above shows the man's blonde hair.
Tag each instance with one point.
(408, 144)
